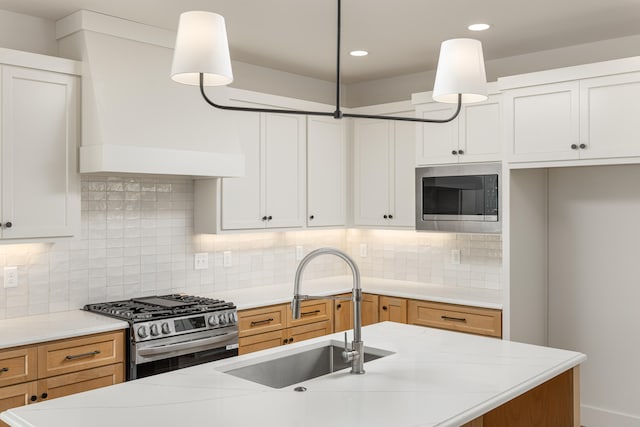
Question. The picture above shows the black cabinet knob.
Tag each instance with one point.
(386, 216)
(460, 151)
(264, 218)
(384, 307)
(390, 216)
(583, 146)
(338, 307)
(574, 146)
(311, 216)
(44, 395)
(269, 218)
(454, 152)
(285, 341)
(291, 339)
(33, 398)
(8, 224)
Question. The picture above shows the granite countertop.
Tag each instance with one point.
(434, 378)
(54, 326)
(278, 294)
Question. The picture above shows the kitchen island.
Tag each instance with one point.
(433, 378)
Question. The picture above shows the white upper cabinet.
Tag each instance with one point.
(384, 173)
(541, 122)
(271, 194)
(590, 113)
(474, 136)
(326, 172)
(40, 181)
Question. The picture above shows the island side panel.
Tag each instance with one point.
(555, 403)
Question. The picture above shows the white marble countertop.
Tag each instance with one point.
(54, 326)
(277, 294)
(434, 378)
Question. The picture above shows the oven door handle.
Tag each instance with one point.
(187, 345)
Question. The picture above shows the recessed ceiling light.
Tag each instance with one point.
(358, 53)
(479, 27)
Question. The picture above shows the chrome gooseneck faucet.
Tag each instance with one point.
(356, 354)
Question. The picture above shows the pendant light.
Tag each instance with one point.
(201, 58)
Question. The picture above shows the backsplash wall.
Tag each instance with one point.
(137, 239)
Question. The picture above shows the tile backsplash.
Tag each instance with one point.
(137, 239)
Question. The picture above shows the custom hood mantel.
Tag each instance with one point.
(135, 119)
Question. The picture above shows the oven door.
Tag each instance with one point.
(169, 354)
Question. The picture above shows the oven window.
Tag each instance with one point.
(453, 195)
(178, 362)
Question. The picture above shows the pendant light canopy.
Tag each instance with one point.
(202, 58)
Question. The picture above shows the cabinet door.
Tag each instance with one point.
(542, 122)
(243, 197)
(77, 382)
(436, 142)
(393, 309)
(343, 314)
(18, 365)
(326, 172)
(16, 395)
(403, 197)
(40, 181)
(609, 124)
(306, 332)
(373, 181)
(480, 131)
(284, 159)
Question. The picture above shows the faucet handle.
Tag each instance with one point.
(345, 340)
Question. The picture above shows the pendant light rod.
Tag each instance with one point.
(337, 114)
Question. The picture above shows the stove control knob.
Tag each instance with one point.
(232, 317)
(142, 332)
(165, 328)
(213, 321)
(222, 319)
(154, 330)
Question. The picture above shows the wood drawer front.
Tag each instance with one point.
(259, 320)
(18, 365)
(77, 382)
(261, 341)
(312, 311)
(311, 330)
(474, 320)
(76, 354)
(16, 395)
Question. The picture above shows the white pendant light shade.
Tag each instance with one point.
(201, 47)
(460, 70)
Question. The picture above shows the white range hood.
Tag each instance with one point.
(135, 119)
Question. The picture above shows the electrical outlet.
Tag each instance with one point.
(201, 261)
(11, 277)
(455, 256)
(363, 250)
(226, 259)
(299, 253)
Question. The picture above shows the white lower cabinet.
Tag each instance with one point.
(272, 192)
(326, 172)
(39, 137)
(384, 173)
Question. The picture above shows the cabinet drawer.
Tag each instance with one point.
(15, 396)
(259, 320)
(18, 365)
(308, 331)
(261, 341)
(76, 354)
(480, 321)
(77, 382)
(312, 311)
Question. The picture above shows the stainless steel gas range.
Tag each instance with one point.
(174, 331)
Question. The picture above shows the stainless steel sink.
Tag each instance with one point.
(297, 367)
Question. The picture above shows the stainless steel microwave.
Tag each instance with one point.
(460, 198)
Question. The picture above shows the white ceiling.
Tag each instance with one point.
(402, 36)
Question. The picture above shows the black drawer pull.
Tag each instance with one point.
(261, 322)
(4, 370)
(453, 319)
(33, 398)
(80, 356)
(384, 307)
(309, 313)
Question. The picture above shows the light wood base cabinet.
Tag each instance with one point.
(60, 368)
(393, 309)
(343, 312)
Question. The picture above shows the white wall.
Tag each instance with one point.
(28, 33)
(594, 285)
